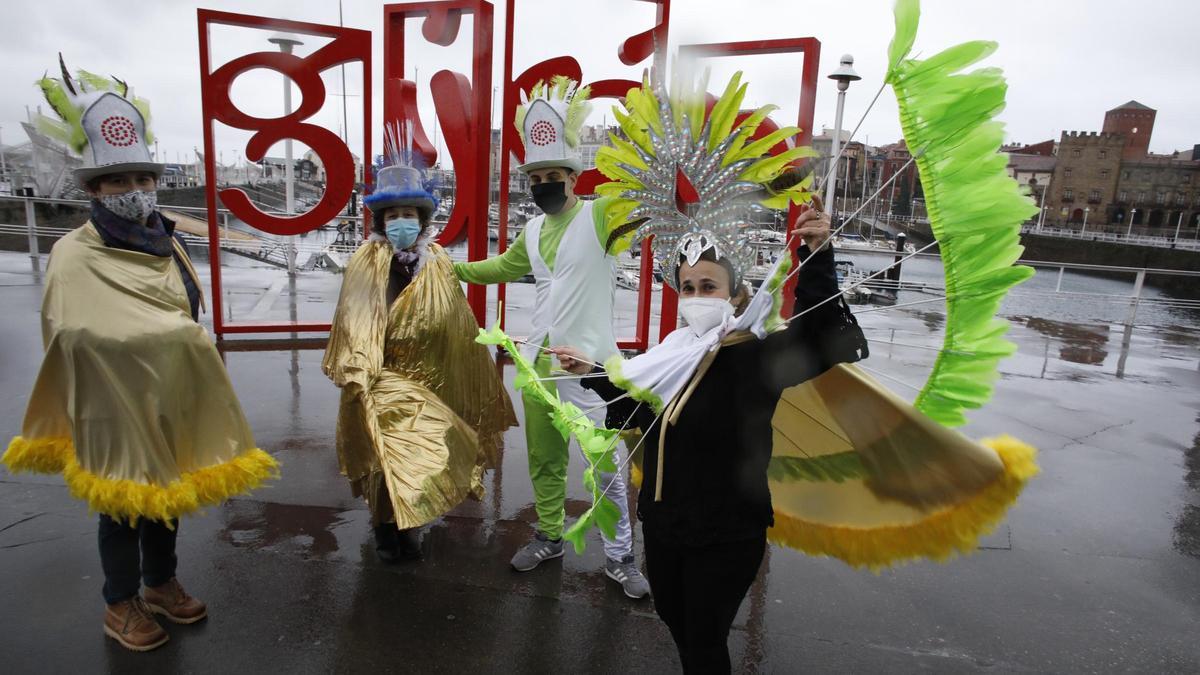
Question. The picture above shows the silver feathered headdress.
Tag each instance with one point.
(689, 175)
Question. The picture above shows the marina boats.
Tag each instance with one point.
(856, 242)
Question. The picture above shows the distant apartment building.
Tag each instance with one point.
(906, 195)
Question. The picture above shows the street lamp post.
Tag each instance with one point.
(3, 161)
(1086, 211)
(1129, 231)
(844, 75)
(287, 43)
(1178, 224)
(1042, 208)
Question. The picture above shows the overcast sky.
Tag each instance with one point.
(1067, 61)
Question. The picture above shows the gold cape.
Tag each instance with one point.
(132, 403)
(423, 408)
(858, 474)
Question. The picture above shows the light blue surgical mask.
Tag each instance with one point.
(402, 232)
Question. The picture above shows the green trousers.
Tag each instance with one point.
(548, 459)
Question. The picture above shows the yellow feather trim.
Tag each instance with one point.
(942, 536)
(46, 455)
(129, 500)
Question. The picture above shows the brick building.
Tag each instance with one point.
(1044, 149)
(1110, 181)
(1135, 122)
(907, 190)
(1085, 177)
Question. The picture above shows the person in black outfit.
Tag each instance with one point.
(706, 534)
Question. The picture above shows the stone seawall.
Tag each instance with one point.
(1086, 252)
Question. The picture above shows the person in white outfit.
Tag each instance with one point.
(564, 250)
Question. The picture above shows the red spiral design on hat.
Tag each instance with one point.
(542, 133)
(118, 131)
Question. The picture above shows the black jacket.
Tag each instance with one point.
(716, 455)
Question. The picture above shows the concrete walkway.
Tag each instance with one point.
(1095, 570)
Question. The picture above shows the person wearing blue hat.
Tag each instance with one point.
(422, 407)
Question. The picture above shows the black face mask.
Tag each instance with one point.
(549, 197)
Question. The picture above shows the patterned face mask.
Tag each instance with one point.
(135, 205)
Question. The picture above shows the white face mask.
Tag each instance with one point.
(705, 314)
(135, 205)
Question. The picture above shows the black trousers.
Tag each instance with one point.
(697, 591)
(130, 556)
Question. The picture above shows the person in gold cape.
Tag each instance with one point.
(423, 408)
(132, 404)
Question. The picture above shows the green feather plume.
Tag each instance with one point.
(577, 111)
(975, 209)
(68, 100)
(62, 103)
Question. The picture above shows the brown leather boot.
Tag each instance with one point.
(173, 602)
(131, 623)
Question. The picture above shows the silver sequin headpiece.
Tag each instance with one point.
(691, 177)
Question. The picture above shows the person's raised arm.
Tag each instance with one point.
(822, 331)
(508, 266)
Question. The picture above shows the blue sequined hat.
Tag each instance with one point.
(403, 181)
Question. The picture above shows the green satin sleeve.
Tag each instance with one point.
(508, 266)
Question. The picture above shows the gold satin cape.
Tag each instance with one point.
(423, 408)
(858, 474)
(132, 403)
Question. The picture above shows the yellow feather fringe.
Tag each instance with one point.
(940, 537)
(129, 500)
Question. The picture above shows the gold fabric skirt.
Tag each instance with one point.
(423, 408)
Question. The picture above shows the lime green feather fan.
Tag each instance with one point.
(975, 209)
(69, 97)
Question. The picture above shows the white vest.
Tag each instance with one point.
(575, 301)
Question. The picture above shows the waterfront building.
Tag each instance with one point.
(1033, 172)
(1111, 181)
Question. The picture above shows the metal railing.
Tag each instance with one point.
(274, 250)
(1185, 243)
(1059, 269)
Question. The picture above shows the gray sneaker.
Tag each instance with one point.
(626, 573)
(536, 552)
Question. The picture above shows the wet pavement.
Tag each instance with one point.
(1097, 568)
